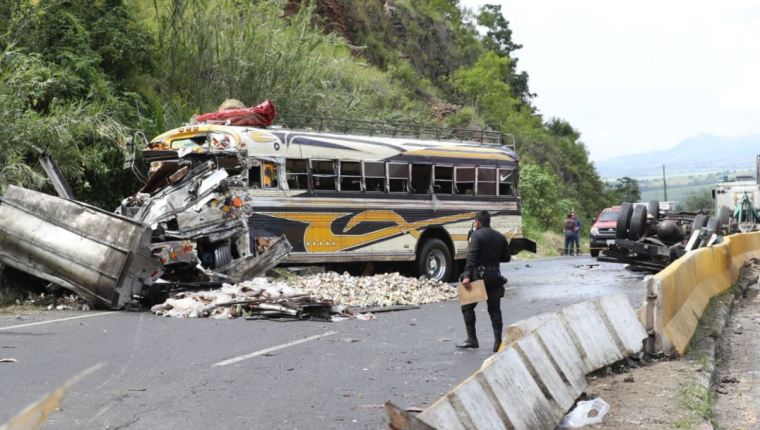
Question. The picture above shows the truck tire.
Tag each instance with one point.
(699, 222)
(712, 225)
(594, 252)
(624, 220)
(434, 260)
(723, 216)
(222, 254)
(638, 223)
(653, 208)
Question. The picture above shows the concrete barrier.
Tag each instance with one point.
(677, 296)
(540, 370)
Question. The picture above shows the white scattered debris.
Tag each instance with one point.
(327, 296)
(587, 412)
(387, 289)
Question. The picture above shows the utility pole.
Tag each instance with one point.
(664, 184)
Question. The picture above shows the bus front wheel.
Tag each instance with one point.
(434, 260)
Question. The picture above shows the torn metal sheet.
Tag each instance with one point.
(250, 267)
(99, 255)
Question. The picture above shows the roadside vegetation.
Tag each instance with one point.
(78, 78)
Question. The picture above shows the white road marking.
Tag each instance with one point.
(57, 320)
(272, 348)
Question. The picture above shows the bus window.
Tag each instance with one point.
(421, 175)
(464, 180)
(486, 181)
(398, 177)
(443, 179)
(323, 175)
(269, 175)
(374, 177)
(506, 182)
(297, 174)
(254, 176)
(350, 176)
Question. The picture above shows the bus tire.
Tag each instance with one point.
(434, 260)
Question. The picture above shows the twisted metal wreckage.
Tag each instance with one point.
(186, 227)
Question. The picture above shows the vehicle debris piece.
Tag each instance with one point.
(56, 177)
(269, 255)
(101, 256)
(257, 297)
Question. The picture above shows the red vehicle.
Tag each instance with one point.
(602, 233)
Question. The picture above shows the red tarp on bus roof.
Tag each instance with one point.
(260, 115)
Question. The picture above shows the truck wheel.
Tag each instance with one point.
(222, 254)
(653, 208)
(723, 214)
(434, 260)
(624, 220)
(638, 223)
(699, 222)
(712, 225)
(594, 252)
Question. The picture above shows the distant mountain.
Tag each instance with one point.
(701, 154)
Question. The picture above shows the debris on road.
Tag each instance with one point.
(257, 297)
(585, 413)
(317, 296)
(389, 289)
(7, 360)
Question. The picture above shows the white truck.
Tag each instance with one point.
(742, 195)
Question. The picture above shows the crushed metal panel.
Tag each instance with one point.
(101, 256)
(250, 267)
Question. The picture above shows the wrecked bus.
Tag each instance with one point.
(339, 198)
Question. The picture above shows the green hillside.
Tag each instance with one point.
(78, 77)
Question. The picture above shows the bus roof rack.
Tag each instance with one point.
(389, 129)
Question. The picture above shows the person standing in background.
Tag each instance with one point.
(577, 236)
(569, 230)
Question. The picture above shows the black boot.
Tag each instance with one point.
(468, 312)
(472, 339)
(497, 337)
(494, 311)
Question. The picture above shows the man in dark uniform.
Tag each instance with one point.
(487, 249)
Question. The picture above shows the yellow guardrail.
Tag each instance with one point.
(677, 296)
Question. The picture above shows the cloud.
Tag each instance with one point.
(647, 73)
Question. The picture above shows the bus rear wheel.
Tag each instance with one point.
(434, 260)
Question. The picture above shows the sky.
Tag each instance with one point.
(640, 76)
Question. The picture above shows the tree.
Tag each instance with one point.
(498, 39)
(698, 200)
(542, 196)
(627, 189)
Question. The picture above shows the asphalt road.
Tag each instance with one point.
(162, 373)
